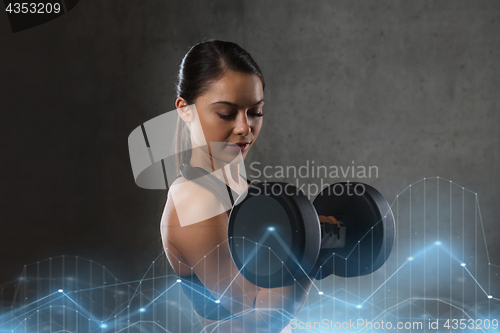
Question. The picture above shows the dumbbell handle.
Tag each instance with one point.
(332, 236)
(332, 232)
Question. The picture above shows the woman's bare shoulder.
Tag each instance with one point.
(189, 203)
(193, 221)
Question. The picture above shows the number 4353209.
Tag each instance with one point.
(473, 324)
(33, 8)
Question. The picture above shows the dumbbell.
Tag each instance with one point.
(275, 235)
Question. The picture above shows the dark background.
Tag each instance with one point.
(411, 87)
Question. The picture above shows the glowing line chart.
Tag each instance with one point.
(440, 269)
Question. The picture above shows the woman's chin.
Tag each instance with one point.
(225, 157)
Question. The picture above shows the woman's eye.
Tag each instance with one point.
(233, 115)
(227, 116)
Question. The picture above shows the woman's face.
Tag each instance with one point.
(229, 116)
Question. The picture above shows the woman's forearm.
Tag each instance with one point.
(289, 298)
(275, 307)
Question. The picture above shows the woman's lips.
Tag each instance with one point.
(236, 147)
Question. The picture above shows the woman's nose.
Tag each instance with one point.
(242, 126)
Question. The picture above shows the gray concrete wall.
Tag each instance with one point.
(408, 86)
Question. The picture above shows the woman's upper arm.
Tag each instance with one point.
(196, 224)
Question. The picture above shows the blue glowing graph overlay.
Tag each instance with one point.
(440, 268)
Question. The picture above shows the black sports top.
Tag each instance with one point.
(202, 300)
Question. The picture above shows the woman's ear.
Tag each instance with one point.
(184, 110)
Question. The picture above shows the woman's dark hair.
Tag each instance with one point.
(206, 62)
(203, 64)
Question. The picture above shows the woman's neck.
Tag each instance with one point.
(226, 172)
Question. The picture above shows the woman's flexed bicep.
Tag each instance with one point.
(195, 223)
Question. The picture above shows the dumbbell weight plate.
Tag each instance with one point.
(273, 234)
(370, 227)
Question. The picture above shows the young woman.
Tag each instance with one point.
(220, 98)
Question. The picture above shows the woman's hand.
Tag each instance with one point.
(329, 219)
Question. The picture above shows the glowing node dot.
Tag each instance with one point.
(489, 296)
(321, 293)
(270, 228)
(437, 243)
(104, 326)
(142, 310)
(359, 306)
(462, 264)
(410, 258)
(179, 280)
(60, 290)
(217, 301)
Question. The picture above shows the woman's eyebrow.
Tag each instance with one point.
(236, 105)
